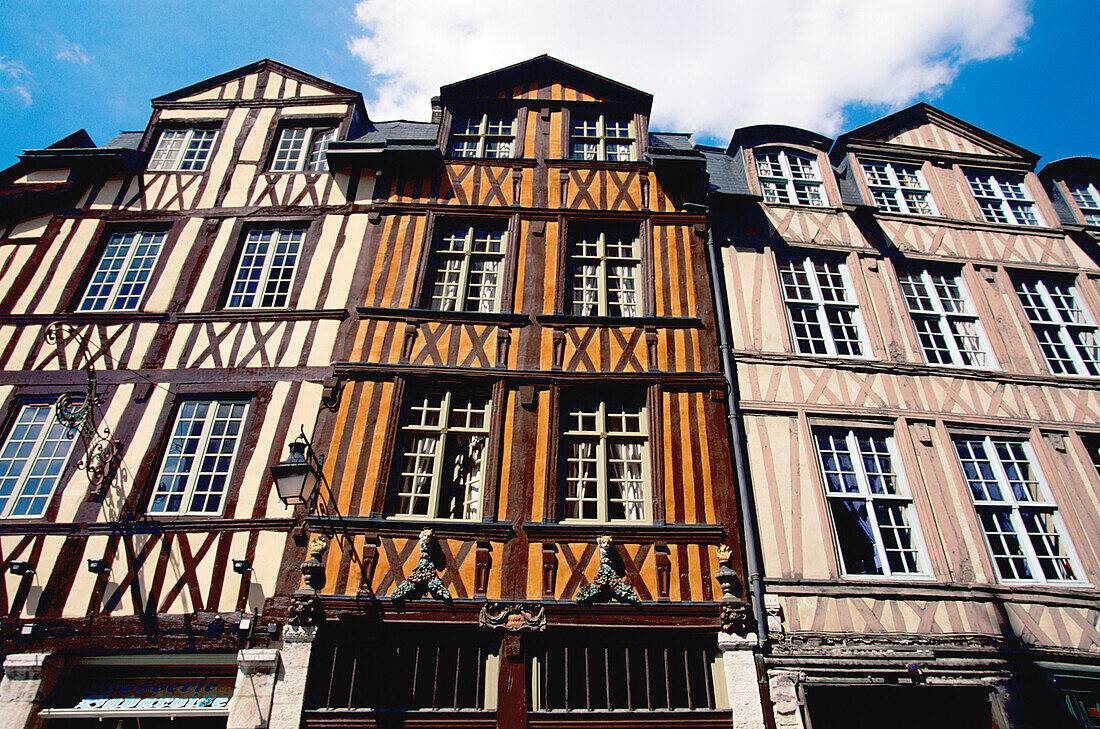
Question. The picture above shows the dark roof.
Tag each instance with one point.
(678, 141)
(778, 133)
(924, 112)
(727, 174)
(125, 140)
(849, 188)
(543, 70)
(400, 131)
(1072, 168)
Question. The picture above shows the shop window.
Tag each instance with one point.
(898, 707)
(32, 459)
(198, 462)
(440, 465)
(823, 314)
(124, 268)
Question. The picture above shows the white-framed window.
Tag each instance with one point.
(265, 273)
(1087, 198)
(948, 328)
(898, 188)
(602, 137)
(1003, 198)
(183, 150)
(302, 148)
(1021, 523)
(605, 442)
(32, 459)
(488, 135)
(788, 177)
(467, 261)
(603, 270)
(872, 512)
(441, 457)
(824, 316)
(198, 462)
(1067, 335)
(118, 282)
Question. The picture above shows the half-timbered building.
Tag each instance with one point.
(529, 458)
(170, 307)
(913, 325)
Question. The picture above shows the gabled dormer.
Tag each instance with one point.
(922, 161)
(784, 165)
(1074, 187)
(591, 118)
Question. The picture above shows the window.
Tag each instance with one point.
(1022, 526)
(625, 669)
(1003, 199)
(898, 188)
(824, 320)
(183, 150)
(467, 263)
(605, 443)
(441, 456)
(948, 329)
(199, 458)
(872, 513)
(1066, 334)
(786, 177)
(302, 148)
(265, 272)
(1088, 199)
(601, 138)
(31, 460)
(118, 282)
(603, 268)
(488, 135)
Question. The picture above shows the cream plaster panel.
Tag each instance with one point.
(53, 174)
(31, 228)
(261, 457)
(317, 110)
(265, 567)
(274, 83)
(241, 179)
(188, 114)
(26, 337)
(308, 90)
(20, 257)
(206, 95)
(142, 341)
(758, 321)
(231, 581)
(46, 261)
(336, 194)
(175, 348)
(230, 89)
(219, 248)
(343, 269)
(184, 249)
(249, 86)
(364, 193)
(107, 194)
(253, 146)
(43, 567)
(320, 262)
(66, 270)
(76, 602)
(133, 452)
(296, 331)
(320, 354)
(204, 572)
(219, 166)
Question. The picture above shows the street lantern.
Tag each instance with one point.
(296, 478)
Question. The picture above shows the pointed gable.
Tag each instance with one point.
(547, 78)
(262, 80)
(924, 127)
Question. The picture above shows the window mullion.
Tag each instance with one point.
(265, 273)
(1008, 499)
(603, 307)
(200, 456)
(602, 486)
(462, 295)
(131, 251)
(39, 443)
(819, 309)
(868, 498)
(440, 454)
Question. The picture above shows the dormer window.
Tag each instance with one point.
(788, 177)
(183, 150)
(898, 188)
(487, 135)
(602, 137)
(1088, 200)
(1003, 199)
(302, 149)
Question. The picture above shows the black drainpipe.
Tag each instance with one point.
(733, 426)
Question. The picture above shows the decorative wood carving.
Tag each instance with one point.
(424, 577)
(512, 617)
(607, 585)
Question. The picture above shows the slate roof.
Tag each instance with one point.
(125, 140)
(727, 174)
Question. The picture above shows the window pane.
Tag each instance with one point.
(32, 460)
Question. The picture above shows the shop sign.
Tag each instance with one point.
(136, 695)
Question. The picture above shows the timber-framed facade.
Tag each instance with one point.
(913, 326)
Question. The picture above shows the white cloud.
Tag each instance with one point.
(15, 78)
(71, 52)
(711, 65)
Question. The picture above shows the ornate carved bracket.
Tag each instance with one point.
(736, 615)
(607, 585)
(512, 617)
(424, 577)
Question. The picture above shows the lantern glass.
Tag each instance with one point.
(295, 478)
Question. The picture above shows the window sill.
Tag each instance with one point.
(599, 164)
(679, 322)
(491, 531)
(500, 161)
(259, 314)
(631, 532)
(295, 172)
(500, 318)
(175, 172)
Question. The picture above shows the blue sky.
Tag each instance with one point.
(1026, 72)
